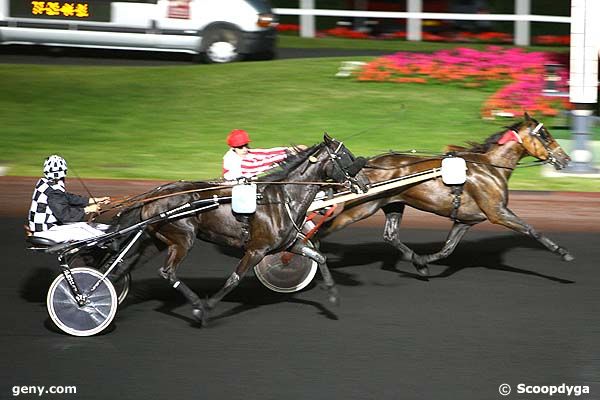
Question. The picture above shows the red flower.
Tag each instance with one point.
(288, 28)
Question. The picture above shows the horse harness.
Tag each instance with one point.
(457, 190)
(340, 170)
(538, 132)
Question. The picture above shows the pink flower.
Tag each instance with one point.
(523, 71)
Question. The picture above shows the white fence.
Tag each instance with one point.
(417, 17)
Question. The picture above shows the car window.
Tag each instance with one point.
(261, 6)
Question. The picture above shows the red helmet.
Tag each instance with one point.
(237, 138)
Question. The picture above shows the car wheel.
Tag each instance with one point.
(222, 46)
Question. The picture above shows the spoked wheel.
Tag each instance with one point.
(91, 318)
(286, 272)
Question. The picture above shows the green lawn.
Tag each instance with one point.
(171, 122)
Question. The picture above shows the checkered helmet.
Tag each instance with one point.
(55, 167)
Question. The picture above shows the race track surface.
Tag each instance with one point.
(500, 310)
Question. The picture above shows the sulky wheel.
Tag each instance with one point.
(91, 318)
(286, 272)
(122, 287)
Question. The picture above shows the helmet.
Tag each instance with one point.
(237, 138)
(55, 167)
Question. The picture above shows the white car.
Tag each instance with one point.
(220, 30)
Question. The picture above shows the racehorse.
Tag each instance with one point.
(484, 194)
(284, 197)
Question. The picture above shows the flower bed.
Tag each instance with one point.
(520, 76)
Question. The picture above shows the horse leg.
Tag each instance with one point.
(249, 260)
(504, 216)
(347, 217)
(176, 252)
(302, 249)
(454, 236)
(391, 232)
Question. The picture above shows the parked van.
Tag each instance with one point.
(219, 30)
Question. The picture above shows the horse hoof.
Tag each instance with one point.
(422, 269)
(201, 316)
(334, 298)
(420, 265)
(567, 257)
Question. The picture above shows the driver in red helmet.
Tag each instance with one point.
(242, 161)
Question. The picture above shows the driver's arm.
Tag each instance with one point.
(62, 208)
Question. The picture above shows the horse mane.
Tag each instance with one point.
(286, 166)
(487, 144)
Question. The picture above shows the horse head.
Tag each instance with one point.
(538, 142)
(343, 166)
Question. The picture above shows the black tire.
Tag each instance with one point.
(262, 56)
(122, 287)
(221, 46)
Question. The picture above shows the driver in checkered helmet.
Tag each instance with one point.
(56, 214)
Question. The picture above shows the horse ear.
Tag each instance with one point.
(327, 138)
(527, 117)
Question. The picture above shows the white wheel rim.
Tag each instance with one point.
(101, 308)
(280, 289)
(123, 286)
(221, 52)
(306, 228)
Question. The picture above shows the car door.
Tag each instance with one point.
(179, 24)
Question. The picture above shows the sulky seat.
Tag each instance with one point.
(40, 242)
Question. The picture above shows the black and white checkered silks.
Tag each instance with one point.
(55, 167)
(41, 217)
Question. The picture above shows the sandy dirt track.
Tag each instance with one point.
(547, 211)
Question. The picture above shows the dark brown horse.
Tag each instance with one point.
(484, 194)
(284, 198)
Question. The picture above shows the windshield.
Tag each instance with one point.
(261, 6)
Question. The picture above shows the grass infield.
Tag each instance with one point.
(171, 122)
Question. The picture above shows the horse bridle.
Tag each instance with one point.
(335, 159)
(552, 159)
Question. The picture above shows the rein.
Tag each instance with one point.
(438, 158)
(132, 201)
